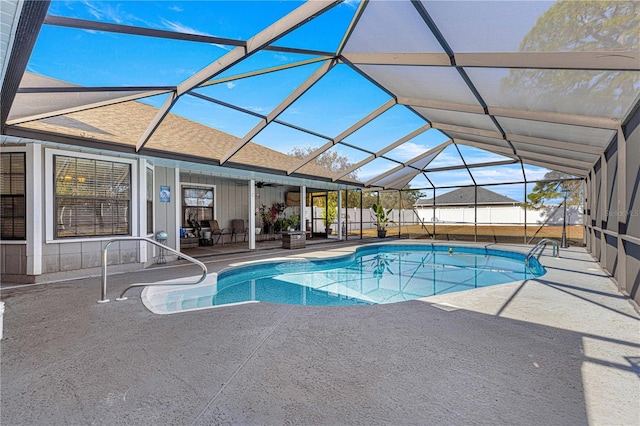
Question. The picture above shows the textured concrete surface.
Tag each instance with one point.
(563, 349)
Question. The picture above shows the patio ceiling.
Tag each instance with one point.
(410, 94)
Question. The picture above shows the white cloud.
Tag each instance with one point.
(180, 28)
(104, 11)
(224, 47)
(534, 173)
(409, 150)
(352, 3)
(231, 85)
(281, 57)
(176, 9)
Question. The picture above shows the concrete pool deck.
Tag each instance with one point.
(560, 349)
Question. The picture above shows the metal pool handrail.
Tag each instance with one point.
(104, 299)
(543, 243)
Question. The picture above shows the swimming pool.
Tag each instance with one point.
(373, 274)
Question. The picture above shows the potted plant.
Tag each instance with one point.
(383, 218)
(294, 222)
(270, 216)
(330, 215)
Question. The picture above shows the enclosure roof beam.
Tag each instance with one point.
(280, 28)
(600, 60)
(543, 116)
(315, 154)
(502, 150)
(554, 159)
(78, 108)
(566, 169)
(293, 96)
(551, 143)
(408, 163)
(472, 166)
(381, 153)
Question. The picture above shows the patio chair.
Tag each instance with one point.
(238, 228)
(217, 233)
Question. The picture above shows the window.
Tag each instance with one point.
(12, 196)
(197, 204)
(149, 201)
(92, 197)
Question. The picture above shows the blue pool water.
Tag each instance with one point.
(373, 274)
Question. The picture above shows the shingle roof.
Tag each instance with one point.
(123, 123)
(465, 196)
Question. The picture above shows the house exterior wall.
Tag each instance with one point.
(42, 256)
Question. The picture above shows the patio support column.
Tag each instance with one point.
(339, 214)
(433, 216)
(34, 209)
(604, 202)
(475, 213)
(361, 200)
(622, 211)
(593, 208)
(525, 211)
(303, 206)
(400, 213)
(586, 219)
(252, 214)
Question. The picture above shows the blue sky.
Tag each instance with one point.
(337, 101)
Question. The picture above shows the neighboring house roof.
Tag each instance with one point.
(466, 196)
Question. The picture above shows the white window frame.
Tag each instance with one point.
(153, 197)
(49, 194)
(181, 219)
(27, 190)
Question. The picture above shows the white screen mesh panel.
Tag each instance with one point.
(391, 26)
(433, 83)
(497, 174)
(450, 178)
(560, 132)
(559, 152)
(582, 92)
(466, 119)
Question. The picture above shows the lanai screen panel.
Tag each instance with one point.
(48, 100)
(474, 155)
(97, 58)
(559, 132)
(457, 118)
(582, 92)
(555, 71)
(241, 92)
(450, 178)
(418, 145)
(497, 174)
(288, 140)
(330, 162)
(499, 146)
(432, 83)
(374, 169)
(448, 157)
(335, 103)
(391, 26)
(559, 152)
(536, 26)
(485, 26)
(392, 125)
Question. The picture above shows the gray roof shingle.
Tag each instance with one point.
(465, 196)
